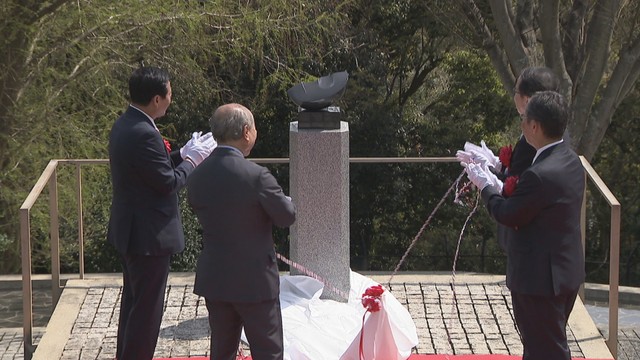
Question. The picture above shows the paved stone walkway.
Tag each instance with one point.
(11, 308)
(480, 321)
(11, 345)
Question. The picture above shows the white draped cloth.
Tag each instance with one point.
(316, 329)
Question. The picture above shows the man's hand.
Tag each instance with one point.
(194, 137)
(468, 146)
(494, 161)
(479, 157)
(205, 140)
(480, 154)
(478, 176)
(464, 156)
(495, 182)
(208, 141)
(197, 151)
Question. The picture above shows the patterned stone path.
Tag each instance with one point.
(480, 321)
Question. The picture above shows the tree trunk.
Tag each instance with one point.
(594, 77)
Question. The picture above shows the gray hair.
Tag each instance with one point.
(228, 122)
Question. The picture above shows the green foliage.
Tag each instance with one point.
(77, 62)
(474, 102)
(186, 260)
(399, 197)
(414, 90)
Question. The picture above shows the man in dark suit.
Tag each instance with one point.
(237, 202)
(545, 261)
(530, 81)
(145, 225)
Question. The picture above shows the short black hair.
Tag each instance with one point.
(534, 79)
(147, 82)
(550, 110)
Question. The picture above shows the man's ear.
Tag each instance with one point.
(245, 132)
(535, 126)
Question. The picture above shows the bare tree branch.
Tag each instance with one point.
(598, 47)
(628, 86)
(489, 44)
(573, 37)
(524, 21)
(623, 76)
(551, 43)
(628, 64)
(48, 9)
(510, 39)
(585, 51)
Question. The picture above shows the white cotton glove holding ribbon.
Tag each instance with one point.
(481, 154)
(494, 161)
(465, 157)
(481, 177)
(479, 157)
(468, 147)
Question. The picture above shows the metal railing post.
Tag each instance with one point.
(49, 176)
(25, 248)
(583, 230)
(54, 232)
(614, 279)
(80, 220)
(614, 249)
(27, 299)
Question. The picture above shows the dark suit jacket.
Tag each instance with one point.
(544, 248)
(144, 211)
(237, 202)
(521, 159)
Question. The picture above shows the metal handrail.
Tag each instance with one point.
(49, 176)
(614, 250)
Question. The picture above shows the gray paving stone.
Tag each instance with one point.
(480, 321)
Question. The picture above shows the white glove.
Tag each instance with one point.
(494, 161)
(197, 152)
(464, 156)
(478, 176)
(205, 140)
(194, 137)
(495, 182)
(471, 146)
(208, 141)
(478, 157)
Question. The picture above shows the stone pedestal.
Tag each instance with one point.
(319, 186)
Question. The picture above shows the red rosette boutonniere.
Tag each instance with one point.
(167, 144)
(509, 186)
(371, 298)
(504, 155)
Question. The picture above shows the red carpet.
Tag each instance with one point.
(424, 357)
